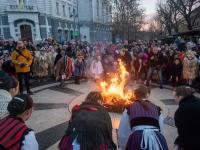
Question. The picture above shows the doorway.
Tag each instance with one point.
(26, 33)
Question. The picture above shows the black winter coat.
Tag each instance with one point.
(187, 121)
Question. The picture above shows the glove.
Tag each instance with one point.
(22, 65)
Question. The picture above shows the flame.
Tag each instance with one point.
(114, 91)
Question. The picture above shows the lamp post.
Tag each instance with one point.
(75, 16)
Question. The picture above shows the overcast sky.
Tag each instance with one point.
(149, 6)
(150, 10)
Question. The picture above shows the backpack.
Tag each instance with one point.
(8, 67)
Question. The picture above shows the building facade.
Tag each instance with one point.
(38, 19)
(63, 20)
(95, 17)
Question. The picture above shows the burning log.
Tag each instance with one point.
(116, 96)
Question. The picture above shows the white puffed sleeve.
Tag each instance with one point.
(30, 142)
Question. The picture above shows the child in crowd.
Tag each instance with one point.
(97, 68)
(78, 67)
(14, 133)
(176, 72)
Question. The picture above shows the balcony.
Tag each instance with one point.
(17, 8)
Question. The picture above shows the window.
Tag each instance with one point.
(74, 11)
(97, 8)
(69, 11)
(64, 11)
(57, 8)
(110, 9)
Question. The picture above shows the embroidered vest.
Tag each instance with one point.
(139, 116)
(12, 132)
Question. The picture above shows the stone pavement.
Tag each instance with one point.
(53, 106)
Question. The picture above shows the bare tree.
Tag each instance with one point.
(186, 9)
(168, 16)
(127, 18)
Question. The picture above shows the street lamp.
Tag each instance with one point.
(75, 16)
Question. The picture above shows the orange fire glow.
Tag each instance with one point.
(114, 90)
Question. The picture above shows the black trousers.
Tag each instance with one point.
(25, 77)
(77, 80)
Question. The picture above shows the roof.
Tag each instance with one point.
(192, 33)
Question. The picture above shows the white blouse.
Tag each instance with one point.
(30, 142)
(125, 129)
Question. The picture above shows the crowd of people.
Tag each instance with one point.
(145, 61)
(90, 126)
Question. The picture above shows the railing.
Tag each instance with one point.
(18, 8)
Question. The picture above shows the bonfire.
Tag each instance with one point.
(116, 96)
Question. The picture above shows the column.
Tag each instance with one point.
(94, 8)
(12, 30)
(68, 36)
(37, 28)
(47, 27)
(2, 32)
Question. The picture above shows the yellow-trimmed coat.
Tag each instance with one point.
(16, 60)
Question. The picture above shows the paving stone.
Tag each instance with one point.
(169, 101)
(169, 121)
(50, 136)
(45, 106)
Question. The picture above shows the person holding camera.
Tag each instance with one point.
(22, 60)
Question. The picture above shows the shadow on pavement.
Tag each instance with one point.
(51, 136)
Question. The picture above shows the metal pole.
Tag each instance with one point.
(79, 32)
(74, 25)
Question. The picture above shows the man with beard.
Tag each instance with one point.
(22, 60)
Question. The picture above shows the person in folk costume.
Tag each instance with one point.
(97, 68)
(59, 55)
(141, 124)
(90, 126)
(64, 70)
(14, 133)
(190, 67)
(51, 59)
(79, 65)
(41, 64)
